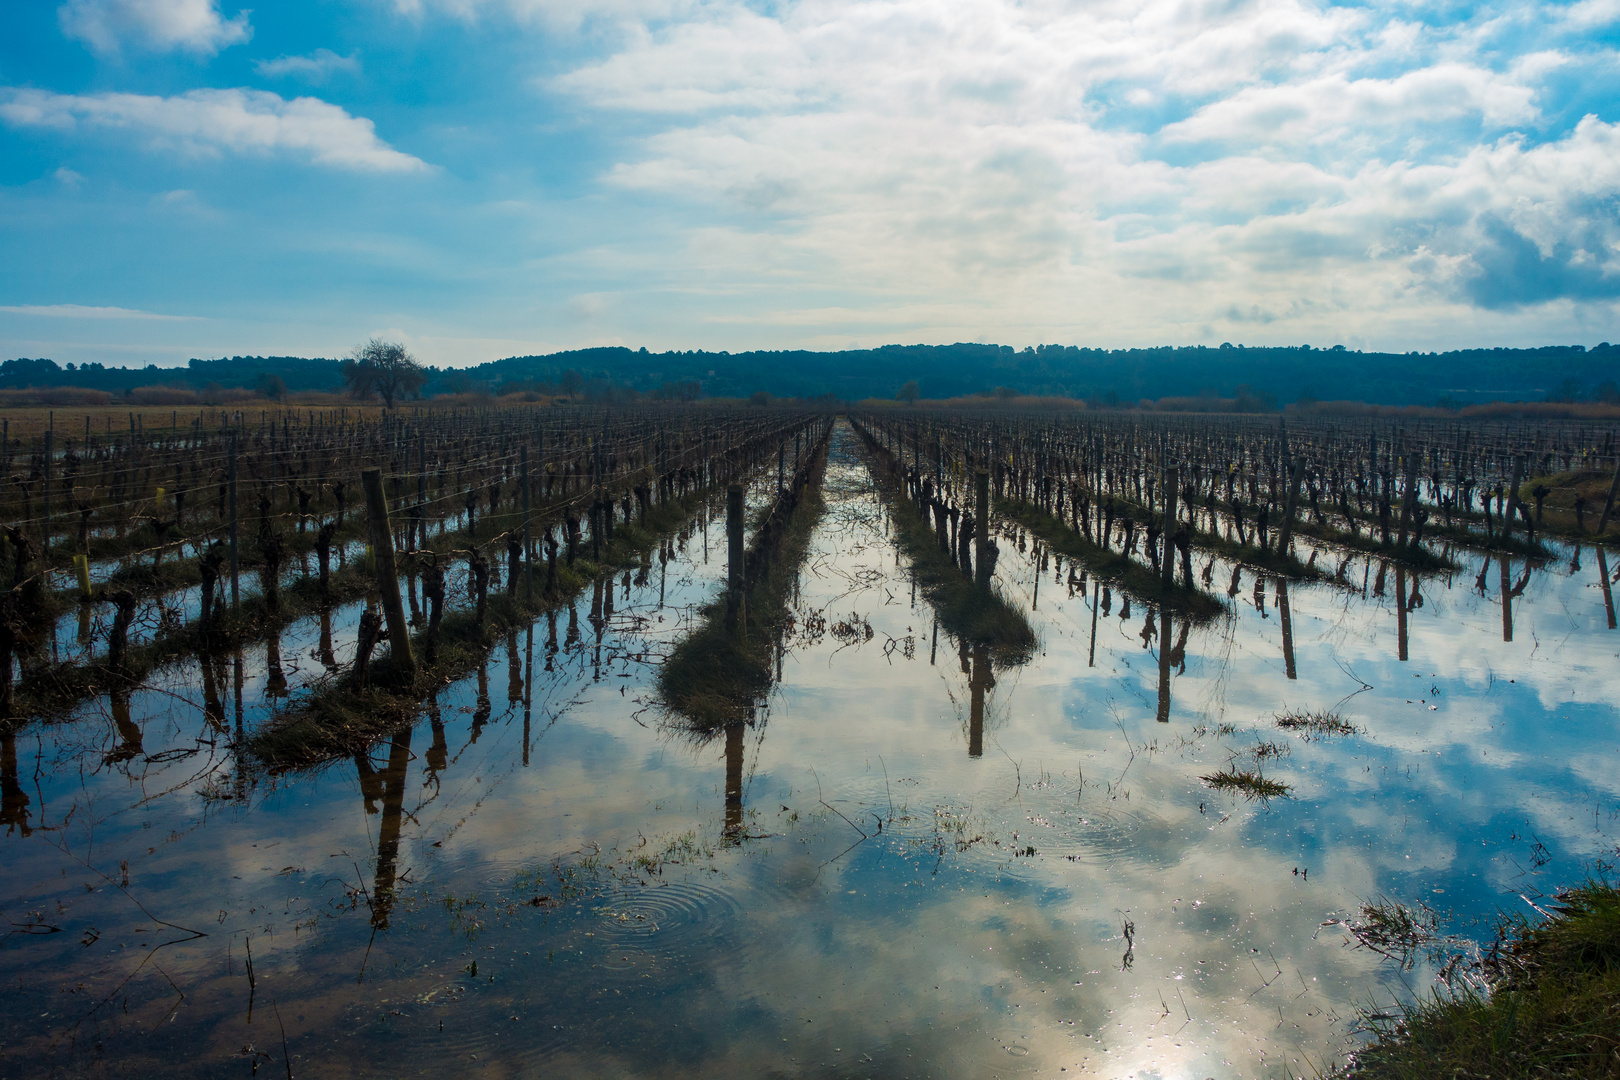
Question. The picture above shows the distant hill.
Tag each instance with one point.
(1282, 375)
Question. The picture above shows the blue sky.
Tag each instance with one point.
(481, 178)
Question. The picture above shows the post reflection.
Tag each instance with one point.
(213, 708)
(324, 652)
(275, 685)
(514, 669)
(979, 680)
(1608, 592)
(482, 708)
(528, 689)
(130, 740)
(1286, 615)
(1507, 599)
(1163, 715)
(1096, 600)
(1400, 613)
(734, 771)
(14, 800)
(386, 786)
(239, 741)
(438, 755)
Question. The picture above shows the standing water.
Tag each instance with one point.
(906, 864)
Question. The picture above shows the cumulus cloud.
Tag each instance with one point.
(108, 26)
(211, 121)
(1339, 109)
(988, 165)
(318, 66)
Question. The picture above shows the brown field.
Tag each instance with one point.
(1504, 410)
(30, 421)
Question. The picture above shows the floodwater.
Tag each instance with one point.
(905, 866)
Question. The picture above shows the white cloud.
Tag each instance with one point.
(318, 66)
(1054, 170)
(566, 15)
(209, 121)
(108, 26)
(80, 311)
(1339, 109)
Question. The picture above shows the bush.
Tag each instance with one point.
(55, 395)
(163, 395)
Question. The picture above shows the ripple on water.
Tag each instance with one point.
(661, 924)
(1099, 834)
(1102, 833)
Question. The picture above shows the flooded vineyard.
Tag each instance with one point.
(697, 741)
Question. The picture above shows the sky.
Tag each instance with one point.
(484, 178)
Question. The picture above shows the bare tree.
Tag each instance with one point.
(383, 367)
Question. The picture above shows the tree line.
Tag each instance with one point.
(1270, 375)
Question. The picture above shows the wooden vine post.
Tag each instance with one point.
(981, 521)
(382, 543)
(528, 542)
(1608, 504)
(1291, 507)
(236, 564)
(1167, 567)
(734, 556)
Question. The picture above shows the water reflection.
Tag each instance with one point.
(14, 801)
(980, 679)
(1603, 582)
(1285, 616)
(655, 906)
(734, 782)
(1400, 613)
(386, 787)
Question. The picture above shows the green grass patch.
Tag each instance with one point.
(1289, 565)
(1249, 783)
(1282, 563)
(1416, 556)
(716, 676)
(50, 692)
(1553, 1010)
(337, 720)
(967, 612)
(1320, 722)
(1129, 575)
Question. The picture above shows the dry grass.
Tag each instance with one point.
(1528, 410)
(980, 402)
(28, 420)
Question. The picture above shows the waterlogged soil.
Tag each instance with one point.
(906, 865)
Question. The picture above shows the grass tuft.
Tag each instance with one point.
(1249, 783)
(1395, 930)
(1320, 722)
